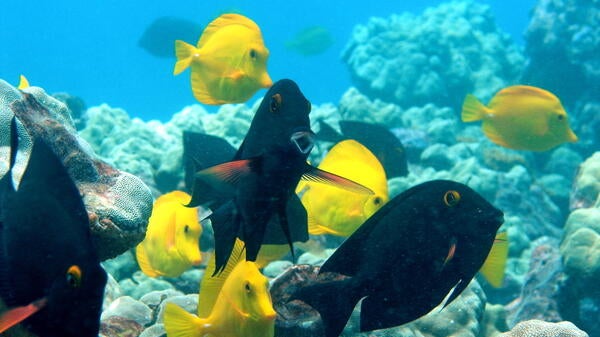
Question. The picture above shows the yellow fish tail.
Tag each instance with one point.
(472, 109)
(23, 83)
(180, 323)
(495, 263)
(185, 53)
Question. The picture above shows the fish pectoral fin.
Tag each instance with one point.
(494, 266)
(180, 323)
(14, 316)
(236, 75)
(226, 176)
(314, 174)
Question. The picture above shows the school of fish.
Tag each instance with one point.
(264, 197)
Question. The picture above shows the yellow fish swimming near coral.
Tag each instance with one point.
(171, 243)
(229, 64)
(236, 303)
(521, 117)
(337, 211)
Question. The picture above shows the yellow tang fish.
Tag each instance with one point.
(236, 303)
(521, 117)
(171, 243)
(229, 63)
(337, 211)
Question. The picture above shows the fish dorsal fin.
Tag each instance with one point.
(23, 82)
(527, 90)
(211, 286)
(494, 266)
(225, 20)
(314, 174)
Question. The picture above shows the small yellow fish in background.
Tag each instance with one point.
(337, 211)
(171, 243)
(521, 117)
(23, 83)
(229, 63)
(236, 303)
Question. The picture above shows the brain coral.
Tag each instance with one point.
(118, 211)
(537, 328)
(438, 57)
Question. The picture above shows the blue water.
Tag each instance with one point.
(89, 48)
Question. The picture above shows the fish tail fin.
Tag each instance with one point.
(180, 323)
(184, 52)
(472, 109)
(334, 301)
(495, 263)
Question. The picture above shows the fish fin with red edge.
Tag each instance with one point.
(226, 176)
(14, 316)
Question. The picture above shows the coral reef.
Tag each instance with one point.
(586, 186)
(537, 328)
(438, 57)
(118, 203)
(563, 51)
(539, 297)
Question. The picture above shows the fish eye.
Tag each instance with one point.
(253, 53)
(186, 229)
(73, 276)
(377, 200)
(247, 287)
(275, 103)
(561, 117)
(451, 198)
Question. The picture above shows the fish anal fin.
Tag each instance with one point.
(14, 316)
(225, 222)
(200, 87)
(144, 262)
(180, 323)
(378, 312)
(493, 134)
(334, 301)
(494, 266)
(314, 174)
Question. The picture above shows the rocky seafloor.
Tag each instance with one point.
(410, 72)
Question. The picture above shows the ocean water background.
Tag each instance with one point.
(90, 48)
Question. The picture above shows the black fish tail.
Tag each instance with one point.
(225, 222)
(334, 301)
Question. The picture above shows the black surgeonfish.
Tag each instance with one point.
(257, 202)
(377, 138)
(51, 280)
(405, 259)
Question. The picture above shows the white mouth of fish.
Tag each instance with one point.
(303, 140)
